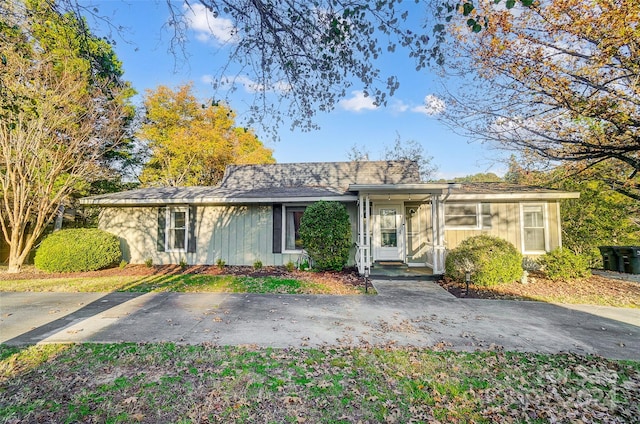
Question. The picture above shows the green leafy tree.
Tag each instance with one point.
(190, 143)
(64, 114)
(325, 231)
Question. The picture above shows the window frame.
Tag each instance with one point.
(285, 209)
(169, 228)
(479, 215)
(544, 227)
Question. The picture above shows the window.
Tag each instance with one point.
(177, 230)
(467, 216)
(293, 216)
(533, 228)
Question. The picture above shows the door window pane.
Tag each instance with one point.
(388, 228)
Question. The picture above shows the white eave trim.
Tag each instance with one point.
(419, 188)
(515, 196)
(213, 200)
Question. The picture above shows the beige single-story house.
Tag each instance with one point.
(254, 214)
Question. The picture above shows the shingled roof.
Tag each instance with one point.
(331, 175)
(275, 182)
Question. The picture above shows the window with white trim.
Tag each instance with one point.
(467, 215)
(533, 228)
(177, 225)
(292, 218)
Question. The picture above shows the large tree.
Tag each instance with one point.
(559, 79)
(63, 116)
(192, 143)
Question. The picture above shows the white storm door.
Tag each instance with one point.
(388, 240)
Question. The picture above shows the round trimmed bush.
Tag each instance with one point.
(326, 235)
(491, 261)
(563, 264)
(80, 249)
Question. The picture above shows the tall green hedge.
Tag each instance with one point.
(81, 249)
(491, 260)
(326, 235)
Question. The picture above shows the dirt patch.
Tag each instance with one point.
(592, 290)
(348, 277)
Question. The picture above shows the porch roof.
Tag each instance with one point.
(415, 191)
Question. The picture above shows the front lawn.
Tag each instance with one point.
(152, 383)
(191, 279)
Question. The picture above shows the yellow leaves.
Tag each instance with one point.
(192, 143)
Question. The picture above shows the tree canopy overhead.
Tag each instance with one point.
(559, 79)
(191, 143)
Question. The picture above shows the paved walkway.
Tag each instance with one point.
(404, 313)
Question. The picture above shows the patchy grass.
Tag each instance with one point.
(188, 384)
(174, 279)
(594, 290)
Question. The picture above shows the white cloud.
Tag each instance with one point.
(250, 86)
(399, 106)
(207, 27)
(433, 105)
(358, 102)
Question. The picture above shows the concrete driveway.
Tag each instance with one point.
(404, 313)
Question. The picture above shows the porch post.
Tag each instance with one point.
(367, 259)
(361, 249)
(437, 212)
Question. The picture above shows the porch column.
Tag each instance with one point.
(437, 210)
(361, 237)
(367, 259)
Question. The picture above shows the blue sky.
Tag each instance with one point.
(143, 45)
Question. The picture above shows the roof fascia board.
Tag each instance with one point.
(515, 196)
(212, 200)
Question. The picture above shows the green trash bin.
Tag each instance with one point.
(628, 259)
(609, 258)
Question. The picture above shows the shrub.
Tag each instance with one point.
(290, 266)
(183, 263)
(80, 249)
(148, 262)
(563, 264)
(491, 261)
(325, 231)
(257, 264)
(220, 263)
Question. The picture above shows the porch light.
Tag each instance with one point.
(467, 280)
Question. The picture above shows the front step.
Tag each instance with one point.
(389, 264)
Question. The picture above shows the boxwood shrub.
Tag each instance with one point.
(80, 249)
(563, 264)
(491, 261)
(326, 235)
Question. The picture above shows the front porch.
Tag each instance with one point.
(401, 224)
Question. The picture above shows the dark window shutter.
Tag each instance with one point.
(191, 241)
(162, 228)
(277, 228)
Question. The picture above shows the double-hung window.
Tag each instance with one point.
(534, 229)
(472, 216)
(177, 229)
(292, 218)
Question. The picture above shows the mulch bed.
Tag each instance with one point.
(540, 286)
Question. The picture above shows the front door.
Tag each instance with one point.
(388, 240)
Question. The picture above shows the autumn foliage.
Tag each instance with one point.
(191, 143)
